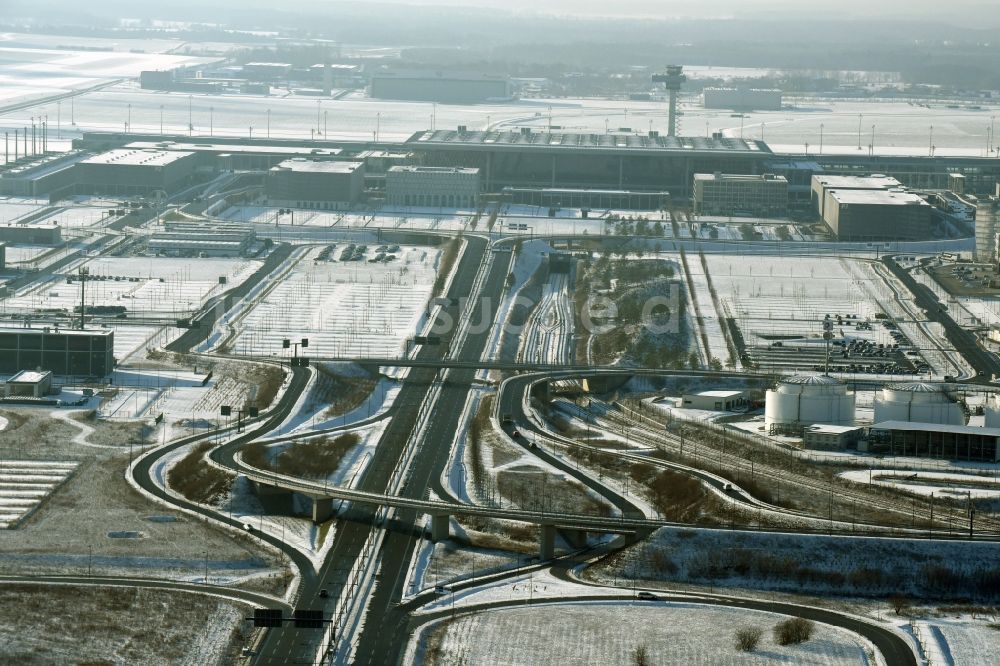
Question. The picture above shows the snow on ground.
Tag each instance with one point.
(548, 337)
(24, 485)
(344, 308)
(805, 564)
(965, 641)
(610, 633)
(775, 296)
(141, 284)
(938, 484)
(713, 320)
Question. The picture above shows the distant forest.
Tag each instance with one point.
(927, 51)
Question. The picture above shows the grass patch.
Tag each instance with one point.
(196, 479)
(343, 394)
(314, 459)
(448, 259)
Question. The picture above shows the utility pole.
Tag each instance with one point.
(83, 275)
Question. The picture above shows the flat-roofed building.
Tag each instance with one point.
(186, 239)
(824, 437)
(823, 183)
(301, 183)
(444, 87)
(88, 353)
(129, 172)
(437, 187)
(715, 401)
(877, 215)
(740, 194)
(742, 99)
(29, 384)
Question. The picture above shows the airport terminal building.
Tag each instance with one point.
(448, 187)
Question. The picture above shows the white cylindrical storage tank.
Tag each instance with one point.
(992, 411)
(809, 399)
(917, 402)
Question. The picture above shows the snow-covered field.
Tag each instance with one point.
(25, 484)
(356, 308)
(938, 484)
(611, 632)
(775, 296)
(141, 284)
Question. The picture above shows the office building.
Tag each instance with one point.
(301, 183)
(87, 353)
(444, 187)
(877, 215)
(740, 194)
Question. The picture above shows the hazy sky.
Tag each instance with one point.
(966, 12)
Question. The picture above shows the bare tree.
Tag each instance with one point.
(641, 656)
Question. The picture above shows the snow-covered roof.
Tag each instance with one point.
(29, 377)
(825, 429)
(718, 394)
(816, 380)
(917, 387)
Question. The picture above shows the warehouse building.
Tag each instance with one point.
(933, 440)
(765, 195)
(822, 437)
(877, 215)
(42, 175)
(24, 234)
(131, 171)
(444, 187)
(742, 99)
(822, 184)
(185, 239)
(88, 353)
(715, 401)
(446, 88)
(302, 183)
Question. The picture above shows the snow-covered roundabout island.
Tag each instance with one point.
(611, 632)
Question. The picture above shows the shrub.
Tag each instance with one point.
(793, 631)
(641, 656)
(747, 638)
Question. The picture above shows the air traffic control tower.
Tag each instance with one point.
(672, 79)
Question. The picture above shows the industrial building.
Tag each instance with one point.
(133, 171)
(41, 175)
(238, 156)
(447, 187)
(933, 440)
(917, 402)
(446, 88)
(808, 400)
(88, 353)
(28, 384)
(877, 215)
(715, 401)
(822, 184)
(742, 99)
(634, 162)
(302, 183)
(48, 234)
(763, 195)
(822, 437)
(188, 239)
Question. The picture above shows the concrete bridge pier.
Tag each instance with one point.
(546, 542)
(322, 509)
(440, 527)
